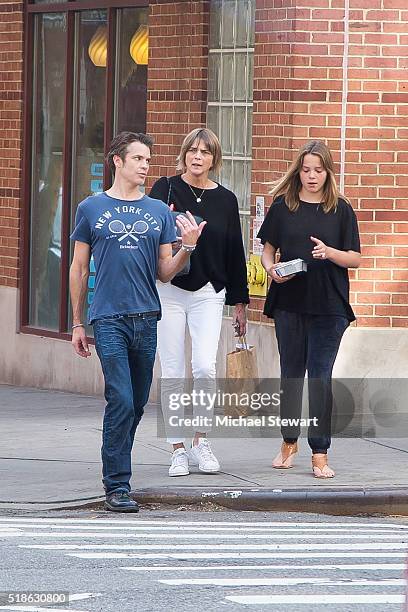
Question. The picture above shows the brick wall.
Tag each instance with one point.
(177, 77)
(298, 92)
(11, 65)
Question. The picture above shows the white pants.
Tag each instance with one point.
(202, 312)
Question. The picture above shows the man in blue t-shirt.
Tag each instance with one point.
(130, 237)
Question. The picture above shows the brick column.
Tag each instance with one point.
(177, 77)
(11, 75)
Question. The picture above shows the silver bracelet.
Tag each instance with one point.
(78, 325)
(188, 248)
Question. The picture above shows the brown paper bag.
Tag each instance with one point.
(241, 372)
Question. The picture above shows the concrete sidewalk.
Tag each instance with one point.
(50, 458)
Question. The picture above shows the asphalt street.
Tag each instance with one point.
(183, 560)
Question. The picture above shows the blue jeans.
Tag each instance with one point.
(126, 347)
(308, 342)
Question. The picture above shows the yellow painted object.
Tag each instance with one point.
(139, 46)
(98, 47)
(257, 277)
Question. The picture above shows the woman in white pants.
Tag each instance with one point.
(217, 276)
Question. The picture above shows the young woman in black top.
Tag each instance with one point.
(217, 276)
(309, 219)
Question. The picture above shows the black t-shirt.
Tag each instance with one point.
(219, 257)
(324, 288)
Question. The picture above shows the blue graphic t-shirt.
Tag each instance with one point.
(124, 237)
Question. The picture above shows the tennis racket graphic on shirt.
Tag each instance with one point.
(118, 227)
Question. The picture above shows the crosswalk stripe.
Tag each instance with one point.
(179, 536)
(299, 555)
(236, 555)
(279, 531)
(281, 581)
(310, 566)
(230, 536)
(345, 598)
(189, 546)
(298, 546)
(200, 528)
(182, 524)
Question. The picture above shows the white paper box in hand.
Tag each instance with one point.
(291, 267)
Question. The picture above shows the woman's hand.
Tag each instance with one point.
(275, 277)
(270, 259)
(240, 319)
(345, 259)
(320, 250)
(190, 231)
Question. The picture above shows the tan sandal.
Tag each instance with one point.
(320, 466)
(284, 459)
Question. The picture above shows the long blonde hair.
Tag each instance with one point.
(290, 185)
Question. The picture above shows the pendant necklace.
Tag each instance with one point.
(198, 198)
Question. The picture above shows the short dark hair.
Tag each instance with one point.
(120, 143)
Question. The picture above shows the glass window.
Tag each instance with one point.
(241, 77)
(214, 73)
(49, 61)
(240, 130)
(89, 105)
(131, 73)
(229, 10)
(225, 134)
(227, 77)
(98, 105)
(230, 87)
(241, 180)
(212, 117)
(215, 24)
(245, 27)
(248, 148)
(250, 77)
(91, 36)
(251, 23)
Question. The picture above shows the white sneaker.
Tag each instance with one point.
(179, 463)
(203, 456)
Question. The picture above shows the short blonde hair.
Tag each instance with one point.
(211, 142)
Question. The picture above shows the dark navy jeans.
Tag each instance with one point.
(126, 347)
(308, 342)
